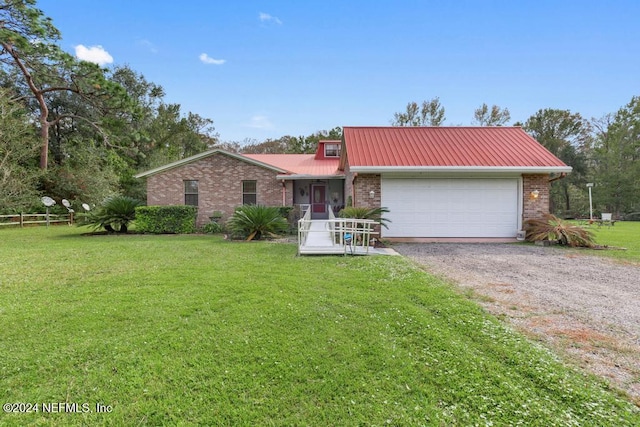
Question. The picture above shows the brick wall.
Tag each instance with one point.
(219, 179)
(363, 185)
(535, 208)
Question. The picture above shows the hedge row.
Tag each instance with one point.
(166, 219)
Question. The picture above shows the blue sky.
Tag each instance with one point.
(265, 69)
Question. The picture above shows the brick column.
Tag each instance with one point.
(535, 207)
(363, 186)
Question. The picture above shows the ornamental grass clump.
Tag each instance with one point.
(553, 228)
(254, 222)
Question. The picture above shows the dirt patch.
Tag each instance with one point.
(583, 306)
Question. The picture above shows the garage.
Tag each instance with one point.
(451, 207)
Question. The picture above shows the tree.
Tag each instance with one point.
(152, 128)
(309, 144)
(18, 152)
(88, 174)
(291, 144)
(230, 146)
(269, 146)
(568, 137)
(173, 137)
(431, 113)
(29, 49)
(494, 117)
(97, 127)
(616, 160)
(555, 128)
(151, 132)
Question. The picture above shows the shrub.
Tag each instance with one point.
(178, 219)
(285, 211)
(212, 228)
(633, 216)
(256, 221)
(366, 213)
(292, 217)
(114, 215)
(553, 228)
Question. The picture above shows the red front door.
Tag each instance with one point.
(318, 201)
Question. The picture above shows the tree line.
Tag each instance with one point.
(71, 129)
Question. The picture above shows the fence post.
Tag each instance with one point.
(21, 219)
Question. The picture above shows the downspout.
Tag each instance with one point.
(284, 193)
(353, 189)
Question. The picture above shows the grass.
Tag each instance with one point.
(624, 234)
(194, 330)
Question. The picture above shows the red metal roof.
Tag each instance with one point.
(497, 147)
(299, 164)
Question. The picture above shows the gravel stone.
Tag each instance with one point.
(586, 307)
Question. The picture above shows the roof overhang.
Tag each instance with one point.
(294, 177)
(204, 155)
(462, 169)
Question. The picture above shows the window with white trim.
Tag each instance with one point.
(332, 150)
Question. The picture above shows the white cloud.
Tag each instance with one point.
(260, 122)
(147, 45)
(95, 54)
(265, 17)
(209, 60)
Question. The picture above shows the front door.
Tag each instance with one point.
(318, 200)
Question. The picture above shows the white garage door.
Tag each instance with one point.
(422, 207)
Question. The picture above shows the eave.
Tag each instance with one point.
(294, 177)
(204, 155)
(462, 169)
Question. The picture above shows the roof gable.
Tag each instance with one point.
(447, 148)
(206, 154)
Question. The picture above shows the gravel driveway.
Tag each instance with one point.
(587, 307)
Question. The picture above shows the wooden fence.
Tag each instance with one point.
(23, 219)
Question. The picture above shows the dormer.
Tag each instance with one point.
(328, 149)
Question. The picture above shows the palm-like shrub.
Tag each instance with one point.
(360, 212)
(256, 221)
(114, 215)
(553, 228)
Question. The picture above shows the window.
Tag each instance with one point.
(249, 192)
(332, 150)
(191, 192)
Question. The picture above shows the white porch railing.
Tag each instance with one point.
(335, 235)
(304, 224)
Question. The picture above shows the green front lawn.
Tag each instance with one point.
(195, 330)
(624, 234)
